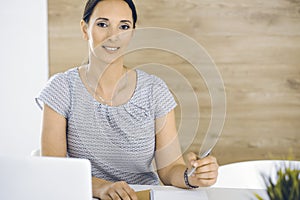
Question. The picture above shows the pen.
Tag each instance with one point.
(202, 156)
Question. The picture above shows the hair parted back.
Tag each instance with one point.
(90, 5)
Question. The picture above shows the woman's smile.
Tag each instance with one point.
(111, 49)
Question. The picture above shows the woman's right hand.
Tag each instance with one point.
(114, 191)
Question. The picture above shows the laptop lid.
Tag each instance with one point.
(45, 178)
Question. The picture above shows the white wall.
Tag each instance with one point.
(24, 71)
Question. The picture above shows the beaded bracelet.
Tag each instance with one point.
(186, 180)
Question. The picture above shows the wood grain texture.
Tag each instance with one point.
(256, 47)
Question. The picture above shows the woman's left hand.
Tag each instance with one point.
(206, 172)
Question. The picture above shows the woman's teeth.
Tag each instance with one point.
(111, 48)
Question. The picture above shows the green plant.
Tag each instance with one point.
(286, 187)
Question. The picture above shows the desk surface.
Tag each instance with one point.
(168, 192)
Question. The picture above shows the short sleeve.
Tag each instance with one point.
(56, 94)
(163, 99)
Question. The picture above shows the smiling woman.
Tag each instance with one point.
(254, 45)
(119, 118)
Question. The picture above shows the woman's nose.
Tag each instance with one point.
(113, 35)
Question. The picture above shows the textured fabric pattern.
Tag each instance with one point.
(119, 141)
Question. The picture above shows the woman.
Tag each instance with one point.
(119, 119)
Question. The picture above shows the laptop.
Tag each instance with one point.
(45, 178)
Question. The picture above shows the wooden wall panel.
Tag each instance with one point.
(256, 47)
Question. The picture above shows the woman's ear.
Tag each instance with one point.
(84, 30)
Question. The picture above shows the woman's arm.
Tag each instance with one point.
(54, 143)
(170, 163)
(53, 140)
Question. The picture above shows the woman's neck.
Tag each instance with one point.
(106, 81)
(111, 84)
(105, 75)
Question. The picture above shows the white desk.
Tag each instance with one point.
(236, 181)
(168, 192)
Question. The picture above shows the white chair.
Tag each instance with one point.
(249, 174)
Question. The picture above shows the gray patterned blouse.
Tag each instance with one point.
(119, 141)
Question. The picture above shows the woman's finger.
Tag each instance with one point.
(207, 168)
(206, 175)
(123, 194)
(114, 196)
(131, 193)
(191, 158)
(206, 160)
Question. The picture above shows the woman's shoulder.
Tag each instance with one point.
(68, 73)
(65, 76)
(62, 81)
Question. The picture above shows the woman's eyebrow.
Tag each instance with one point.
(128, 21)
(102, 18)
(106, 19)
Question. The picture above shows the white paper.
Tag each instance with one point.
(162, 193)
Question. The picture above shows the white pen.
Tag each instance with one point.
(202, 156)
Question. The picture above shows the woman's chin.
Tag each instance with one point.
(106, 56)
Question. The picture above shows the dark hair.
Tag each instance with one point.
(90, 5)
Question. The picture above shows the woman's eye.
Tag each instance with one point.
(125, 27)
(102, 25)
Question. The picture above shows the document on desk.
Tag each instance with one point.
(178, 194)
(166, 192)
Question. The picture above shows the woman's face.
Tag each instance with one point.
(109, 30)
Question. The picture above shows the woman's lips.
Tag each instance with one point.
(111, 49)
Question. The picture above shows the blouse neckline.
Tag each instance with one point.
(106, 105)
